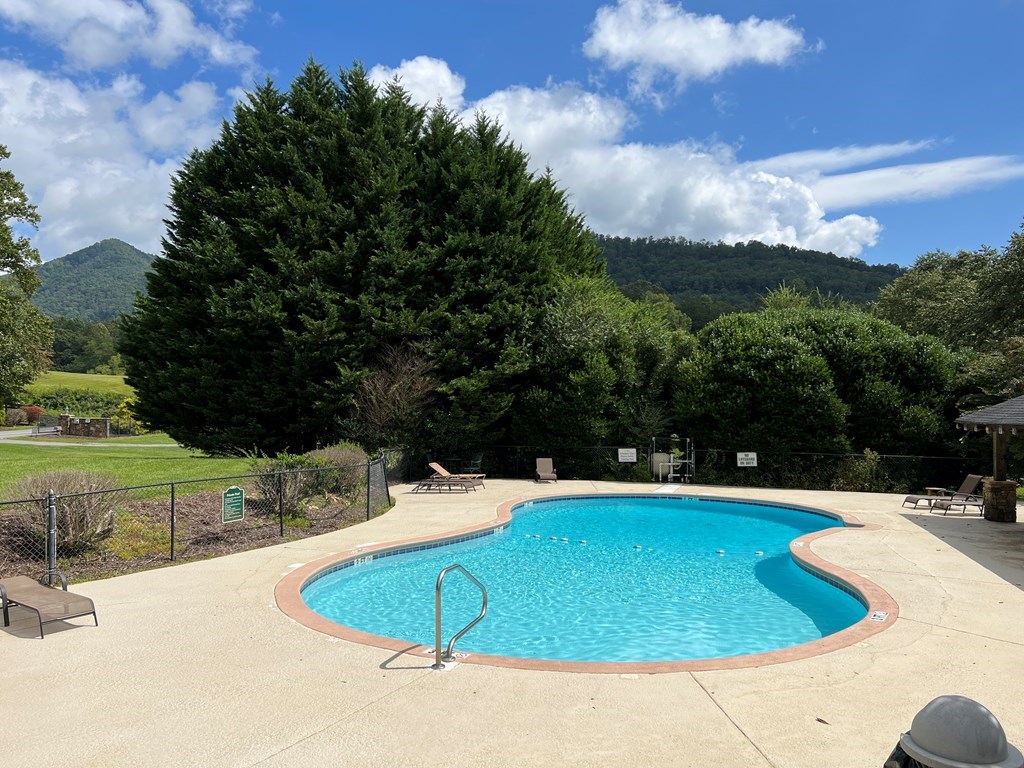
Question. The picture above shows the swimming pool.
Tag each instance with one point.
(632, 579)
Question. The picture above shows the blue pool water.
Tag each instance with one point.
(657, 579)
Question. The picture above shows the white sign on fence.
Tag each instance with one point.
(627, 455)
(746, 459)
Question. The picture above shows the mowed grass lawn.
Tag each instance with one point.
(140, 460)
(91, 381)
(125, 465)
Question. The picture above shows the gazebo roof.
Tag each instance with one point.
(1008, 416)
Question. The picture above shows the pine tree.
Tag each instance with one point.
(324, 224)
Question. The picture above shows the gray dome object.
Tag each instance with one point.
(957, 732)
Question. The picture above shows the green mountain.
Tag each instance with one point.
(703, 279)
(95, 283)
(708, 279)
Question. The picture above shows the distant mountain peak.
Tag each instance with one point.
(98, 282)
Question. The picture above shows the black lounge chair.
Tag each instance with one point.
(965, 496)
(946, 504)
(49, 603)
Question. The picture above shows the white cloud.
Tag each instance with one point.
(425, 80)
(94, 158)
(655, 39)
(921, 181)
(556, 121)
(168, 124)
(99, 34)
(700, 191)
(230, 9)
(818, 161)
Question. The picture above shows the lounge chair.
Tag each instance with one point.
(965, 494)
(472, 464)
(545, 471)
(441, 472)
(445, 484)
(49, 603)
(947, 504)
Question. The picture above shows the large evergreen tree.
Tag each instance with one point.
(324, 223)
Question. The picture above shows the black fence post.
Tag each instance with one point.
(383, 462)
(280, 502)
(51, 538)
(368, 488)
(172, 521)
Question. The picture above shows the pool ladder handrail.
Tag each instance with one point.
(439, 659)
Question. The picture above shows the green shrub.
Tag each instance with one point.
(862, 474)
(335, 470)
(349, 475)
(79, 402)
(282, 477)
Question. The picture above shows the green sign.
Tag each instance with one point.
(233, 505)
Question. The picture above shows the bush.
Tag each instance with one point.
(283, 475)
(16, 417)
(338, 469)
(33, 412)
(82, 521)
(80, 402)
(349, 475)
(863, 474)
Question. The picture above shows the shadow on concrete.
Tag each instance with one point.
(999, 547)
(389, 663)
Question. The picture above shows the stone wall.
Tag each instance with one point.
(76, 426)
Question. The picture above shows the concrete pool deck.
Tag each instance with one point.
(195, 664)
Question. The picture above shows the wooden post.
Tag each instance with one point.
(999, 445)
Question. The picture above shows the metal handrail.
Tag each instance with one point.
(438, 658)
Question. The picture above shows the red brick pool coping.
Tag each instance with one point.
(882, 610)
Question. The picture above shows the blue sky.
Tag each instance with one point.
(881, 130)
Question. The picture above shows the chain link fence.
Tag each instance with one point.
(840, 472)
(814, 471)
(107, 532)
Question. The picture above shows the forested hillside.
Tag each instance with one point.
(93, 284)
(708, 279)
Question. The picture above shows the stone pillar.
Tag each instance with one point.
(1000, 500)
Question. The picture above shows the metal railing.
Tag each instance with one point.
(440, 658)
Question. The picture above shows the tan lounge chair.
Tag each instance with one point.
(943, 500)
(545, 471)
(49, 603)
(441, 472)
